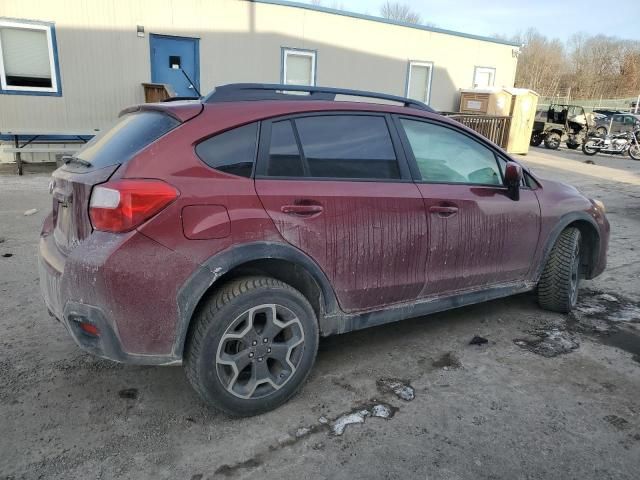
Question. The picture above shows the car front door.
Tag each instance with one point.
(478, 235)
(338, 188)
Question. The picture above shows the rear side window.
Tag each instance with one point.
(347, 146)
(130, 134)
(233, 151)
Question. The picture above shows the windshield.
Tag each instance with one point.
(130, 134)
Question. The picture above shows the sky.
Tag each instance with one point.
(553, 18)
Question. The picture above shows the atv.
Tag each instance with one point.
(561, 123)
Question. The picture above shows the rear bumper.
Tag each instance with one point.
(125, 285)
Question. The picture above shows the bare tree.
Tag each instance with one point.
(334, 5)
(589, 66)
(400, 12)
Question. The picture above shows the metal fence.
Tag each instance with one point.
(591, 103)
(495, 128)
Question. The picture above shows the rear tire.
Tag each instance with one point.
(634, 152)
(572, 146)
(252, 346)
(558, 286)
(552, 140)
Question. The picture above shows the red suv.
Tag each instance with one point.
(228, 233)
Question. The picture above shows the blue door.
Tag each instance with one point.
(171, 59)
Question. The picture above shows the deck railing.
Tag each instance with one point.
(495, 128)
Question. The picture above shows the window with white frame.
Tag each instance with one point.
(298, 67)
(419, 81)
(484, 77)
(27, 58)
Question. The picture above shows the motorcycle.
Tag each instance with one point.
(619, 144)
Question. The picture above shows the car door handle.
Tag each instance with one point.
(302, 210)
(443, 210)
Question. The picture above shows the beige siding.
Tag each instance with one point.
(103, 62)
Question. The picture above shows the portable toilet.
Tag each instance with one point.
(524, 103)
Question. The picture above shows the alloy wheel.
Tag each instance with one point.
(260, 351)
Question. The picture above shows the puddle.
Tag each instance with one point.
(379, 410)
(129, 393)
(447, 361)
(400, 388)
(618, 422)
(549, 343)
(624, 340)
(335, 427)
(604, 317)
(609, 317)
(606, 307)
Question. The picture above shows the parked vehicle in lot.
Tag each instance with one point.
(619, 144)
(618, 123)
(559, 123)
(228, 233)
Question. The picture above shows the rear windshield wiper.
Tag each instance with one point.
(67, 159)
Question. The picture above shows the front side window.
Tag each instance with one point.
(419, 81)
(232, 151)
(298, 67)
(444, 155)
(27, 58)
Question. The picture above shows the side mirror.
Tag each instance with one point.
(513, 179)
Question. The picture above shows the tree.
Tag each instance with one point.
(400, 12)
(590, 67)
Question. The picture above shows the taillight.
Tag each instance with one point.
(122, 205)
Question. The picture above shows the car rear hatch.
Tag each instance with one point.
(96, 162)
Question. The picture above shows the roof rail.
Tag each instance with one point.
(235, 92)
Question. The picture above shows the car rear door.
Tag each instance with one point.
(478, 235)
(337, 189)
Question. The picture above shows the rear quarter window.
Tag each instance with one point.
(233, 151)
(130, 134)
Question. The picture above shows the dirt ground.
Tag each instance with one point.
(549, 396)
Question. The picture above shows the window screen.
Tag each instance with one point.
(347, 146)
(484, 77)
(25, 55)
(299, 67)
(446, 156)
(284, 157)
(232, 151)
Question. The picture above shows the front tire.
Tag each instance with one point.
(589, 148)
(552, 141)
(558, 286)
(536, 139)
(634, 151)
(252, 346)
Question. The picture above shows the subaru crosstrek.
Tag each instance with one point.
(228, 233)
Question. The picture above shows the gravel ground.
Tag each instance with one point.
(548, 396)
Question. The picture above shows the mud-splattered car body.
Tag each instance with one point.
(363, 252)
